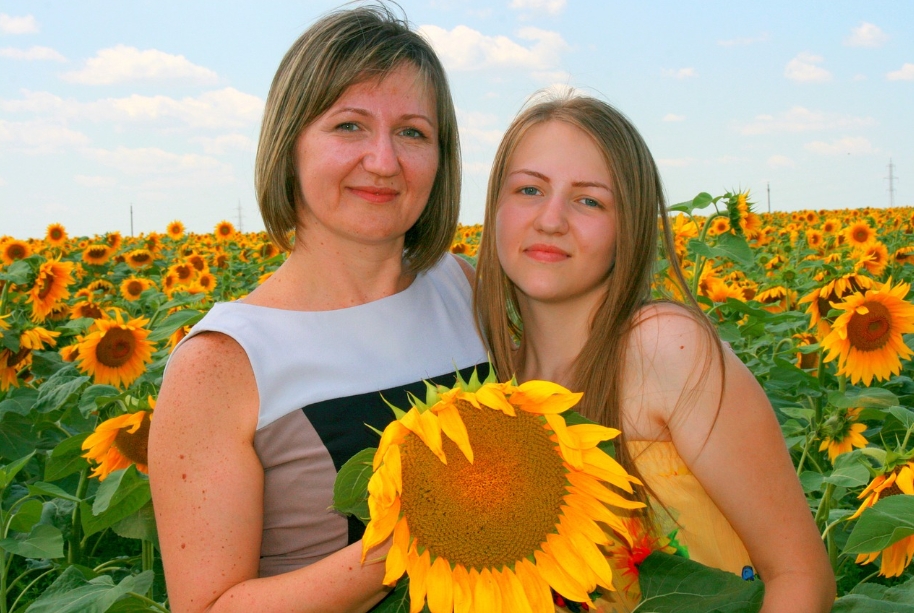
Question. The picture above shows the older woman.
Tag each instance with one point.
(270, 395)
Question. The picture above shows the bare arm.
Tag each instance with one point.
(207, 486)
(737, 453)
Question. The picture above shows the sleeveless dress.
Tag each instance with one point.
(697, 526)
(323, 378)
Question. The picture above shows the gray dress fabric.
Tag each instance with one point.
(322, 379)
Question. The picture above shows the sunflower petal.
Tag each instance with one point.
(535, 587)
(418, 574)
(397, 555)
(493, 397)
(463, 591)
(486, 596)
(512, 592)
(560, 581)
(590, 435)
(380, 527)
(593, 557)
(441, 587)
(452, 425)
(393, 434)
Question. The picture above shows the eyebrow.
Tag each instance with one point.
(366, 113)
(543, 177)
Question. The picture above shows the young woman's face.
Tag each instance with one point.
(556, 222)
(366, 166)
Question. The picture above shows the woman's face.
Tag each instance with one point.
(556, 222)
(366, 166)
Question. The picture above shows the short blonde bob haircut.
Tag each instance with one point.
(341, 49)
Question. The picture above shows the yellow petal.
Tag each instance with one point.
(560, 581)
(537, 589)
(463, 591)
(393, 468)
(590, 435)
(559, 547)
(578, 521)
(379, 528)
(486, 596)
(512, 592)
(441, 587)
(598, 511)
(452, 425)
(396, 557)
(418, 573)
(492, 396)
(393, 434)
(426, 427)
(593, 557)
(597, 462)
(544, 397)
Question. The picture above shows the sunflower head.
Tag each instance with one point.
(13, 250)
(493, 498)
(56, 235)
(115, 352)
(859, 234)
(842, 433)
(894, 481)
(139, 258)
(97, 254)
(119, 442)
(175, 230)
(224, 230)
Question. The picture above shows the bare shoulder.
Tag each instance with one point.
(467, 268)
(671, 336)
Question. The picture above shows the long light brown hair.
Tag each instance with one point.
(642, 224)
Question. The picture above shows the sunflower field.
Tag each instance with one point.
(817, 304)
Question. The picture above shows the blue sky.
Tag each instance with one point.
(156, 105)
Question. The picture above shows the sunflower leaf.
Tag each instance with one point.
(66, 458)
(700, 201)
(117, 487)
(9, 472)
(397, 601)
(888, 521)
(57, 391)
(350, 491)
(875, 397)
(74, 592)
(851, 470)
(167, 327)
(673, 584)
(43, 542)
(905, 416)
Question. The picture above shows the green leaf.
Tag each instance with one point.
(736, 248)
(140, 525)
(800, 413)
(397, 601)
(19, 400)
(17, 436)
(9, 472)
(59, 389)
(49, 489)
(811, 481)
(700, 201)
(905, 416)
(875, 397)
(184, 317)
(350, 491)
(73, 593)
(42, 542)
(889, 520)
(66, 458)
(27, 516)
(672, 584)
(118, 486)
(18, 273)
(96, 396)
(850, 471)
(856, 603)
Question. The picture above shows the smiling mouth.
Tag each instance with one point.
(376, 195)
(546, 253)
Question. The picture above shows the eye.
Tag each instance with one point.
(590, 203)
(412, 133)
(348, 126)
(529, 191)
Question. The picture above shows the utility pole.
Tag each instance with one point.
(891, 179)
(769, 197)
(131, 220)
(240, 225)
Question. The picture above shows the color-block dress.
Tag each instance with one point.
(322, 378)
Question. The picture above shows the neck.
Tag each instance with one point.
(554, 335)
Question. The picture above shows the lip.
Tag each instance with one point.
(546, 253)
(375, 195)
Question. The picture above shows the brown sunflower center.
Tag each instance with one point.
(184, 271)
(15, 251)
(135, 447)
(116, 347)
(55, 234)
(861, 235)
(47, 284)
(135, 288)
(870, 331)
(89, 309)
(492, 512)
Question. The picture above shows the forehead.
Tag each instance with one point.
(560, 145)
(405, 88)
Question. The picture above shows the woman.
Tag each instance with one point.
(565, 268)
(270, 395)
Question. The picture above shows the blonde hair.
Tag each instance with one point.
(639, 204)
(341, 49)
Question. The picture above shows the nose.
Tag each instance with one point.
(381, 157)
(552, 217)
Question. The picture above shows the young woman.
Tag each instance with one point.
(563, 293)
(270, 395)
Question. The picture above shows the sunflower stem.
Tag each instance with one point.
(74, 552)
(4, 297)
(907, 437)
(820, 401)
(149, 601)
(842, 383)
(148, 560)
(825, 504)
(809, 439)
(29, 586)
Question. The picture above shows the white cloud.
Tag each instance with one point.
(18, 25)
(905, 74)
(841, 146)
(37, 137)
(681, 73)
(225, 143)
(742, 42)
(866, 35)
(217, 109)
(123, 63)
(553, 7)
(675, 162)
(673, 117)
(32, 53)
(464, 48)
(94, 181)
(804, 69)
(780, 161)
(799, 119)
(154, 161)
(478, 131)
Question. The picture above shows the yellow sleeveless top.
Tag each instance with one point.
(694, 521)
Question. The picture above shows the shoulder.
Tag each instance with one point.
(467, 269)
(671, 334)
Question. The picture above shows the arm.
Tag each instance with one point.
(733, 445)
(207, 485)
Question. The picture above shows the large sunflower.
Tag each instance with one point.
(119, 442)
(50, 287)
(13, 250)
(874, 257)
(501, 508)
(867, 338)
(56, 235)
(97, 254)
(115, 352)
(897, 556)
(859, 234)
(132, 287)
(139, 258)
(224, 230)
(820, 299)
(175, 230)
